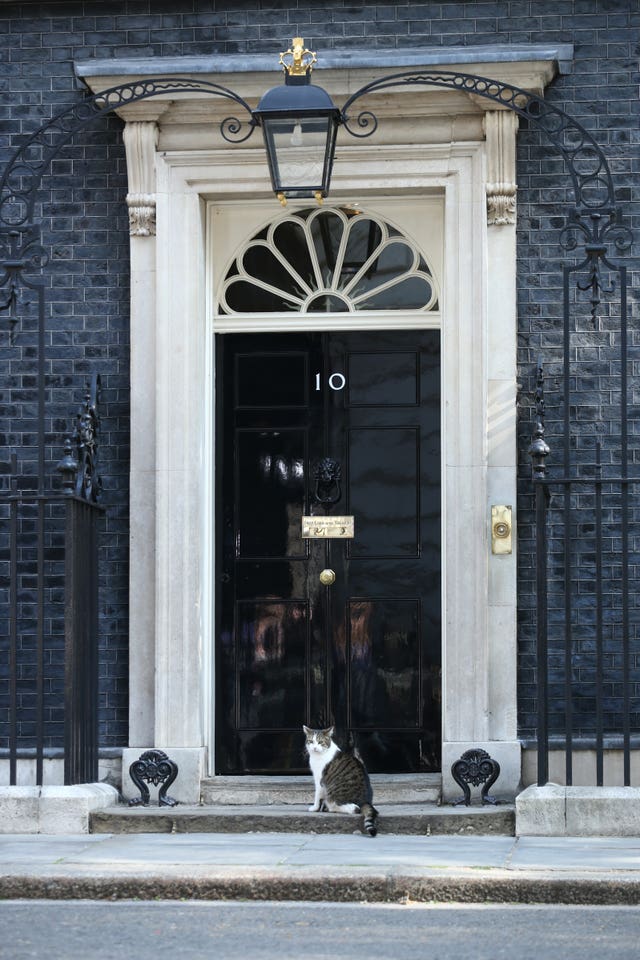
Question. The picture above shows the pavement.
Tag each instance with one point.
(389, 868)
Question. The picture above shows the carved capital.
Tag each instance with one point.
(142, 214)
(140, 141)
(501, 203)
(500, 129)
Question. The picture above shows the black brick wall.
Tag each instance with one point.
(84, 218)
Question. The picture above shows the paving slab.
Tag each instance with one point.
(259, 866)
(43, 848)
(184, 850)
(575, 853)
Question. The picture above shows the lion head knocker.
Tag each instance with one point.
(328, 474)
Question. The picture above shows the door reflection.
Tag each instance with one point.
(272, 675)
(384, 663)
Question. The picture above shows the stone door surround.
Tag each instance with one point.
(430, 142)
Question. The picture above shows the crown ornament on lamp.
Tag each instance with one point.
(299, 61)
(299, 124)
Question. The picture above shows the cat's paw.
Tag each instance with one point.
(314, 808)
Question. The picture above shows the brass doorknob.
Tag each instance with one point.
(327, 577)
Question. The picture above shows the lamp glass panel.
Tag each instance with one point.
(297, 148)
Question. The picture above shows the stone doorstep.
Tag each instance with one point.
(263, 791)
(417, 819)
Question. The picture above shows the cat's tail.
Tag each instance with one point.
(370, 815)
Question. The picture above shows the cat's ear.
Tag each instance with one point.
(307, 730)
(329, 732)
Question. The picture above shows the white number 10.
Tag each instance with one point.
(337, 381)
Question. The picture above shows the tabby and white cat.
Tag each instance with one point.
(341, 780)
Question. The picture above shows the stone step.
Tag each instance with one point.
(403, 818)
(263, 791)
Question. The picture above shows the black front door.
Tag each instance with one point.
(332, 424)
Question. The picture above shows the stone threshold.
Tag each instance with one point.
(264, 791)
(404, 818)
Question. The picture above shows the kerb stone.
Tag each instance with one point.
(558, 811)
(540, 811)
(19, 809)
(53, 810)
(67, 809)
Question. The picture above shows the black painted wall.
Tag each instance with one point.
(85, 221)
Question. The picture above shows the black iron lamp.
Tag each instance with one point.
(299, 122)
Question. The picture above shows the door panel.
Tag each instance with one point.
(364, 653)
(384, 663)
(386, 501)
(272, 657)
(382, 379)
(270, 493)
(272, 380)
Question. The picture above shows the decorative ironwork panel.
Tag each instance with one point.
(475, 767)
(153, 766)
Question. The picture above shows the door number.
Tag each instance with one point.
(337, 381)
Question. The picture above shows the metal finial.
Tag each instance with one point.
(68, 468)
(539, 450)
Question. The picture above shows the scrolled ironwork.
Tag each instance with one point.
(231, 129)
(153, 766)
(475, 767)
(364, 120)
(21, 254)
(586, 163)
(20, 250)
(592, 235)
(21, 178)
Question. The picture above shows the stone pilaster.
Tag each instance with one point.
(140, 139)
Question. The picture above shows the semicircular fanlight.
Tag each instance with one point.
(329, 260)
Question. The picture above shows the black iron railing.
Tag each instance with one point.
(49, 612)
(588, 631)
(81, 642)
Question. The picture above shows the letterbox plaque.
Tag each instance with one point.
(327, 528)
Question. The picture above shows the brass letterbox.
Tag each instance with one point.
(327, 528)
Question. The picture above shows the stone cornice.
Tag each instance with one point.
(530, 67)
(389, 60)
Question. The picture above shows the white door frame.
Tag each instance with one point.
(175, 391)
